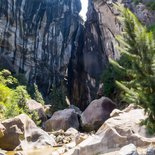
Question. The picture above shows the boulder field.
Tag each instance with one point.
(119, 132)
(122, 129)
(91, 119)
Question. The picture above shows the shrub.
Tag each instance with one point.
(7, 79)
(57, 98)
(152, 28)
(35, 94)
(151, 5)
(13, 97)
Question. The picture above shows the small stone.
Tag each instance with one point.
(150, 151)
(59, 139)
(65, 141)
(71, 131)
(128, 150)
(80, 138)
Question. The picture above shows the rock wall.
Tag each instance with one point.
(109, 24)
(39, 38)
(101, 28)
(93, 63)
(47, 41)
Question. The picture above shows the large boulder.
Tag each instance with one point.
(63, 119)
(21, 132)
(77, 110)
(116, 132)
(2, 152)
(34, 106)
(97, 113)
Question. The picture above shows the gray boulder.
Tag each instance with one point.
(97, 113)
(128, 150)
(77, 110)
(33, 105)
(63, 119)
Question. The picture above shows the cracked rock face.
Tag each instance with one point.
(38, 38)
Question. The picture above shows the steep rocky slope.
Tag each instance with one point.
(94, 61)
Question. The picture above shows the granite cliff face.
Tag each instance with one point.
(47, 41)
(39, 38)
(109, 24)
(101, 28)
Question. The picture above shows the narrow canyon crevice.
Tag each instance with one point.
(49, 43)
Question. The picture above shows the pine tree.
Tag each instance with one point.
(137, 45)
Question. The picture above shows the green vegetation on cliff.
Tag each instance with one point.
(151, 5)
(14, 95)
(15, 91)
